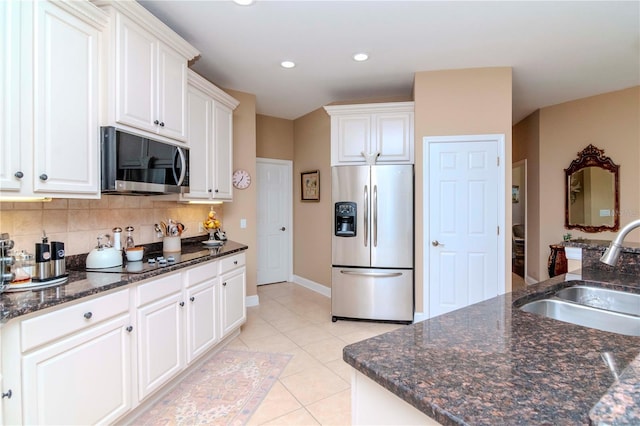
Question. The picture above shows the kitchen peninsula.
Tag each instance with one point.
(105, 345)
(491, 363)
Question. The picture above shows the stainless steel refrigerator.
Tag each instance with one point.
(372, 243)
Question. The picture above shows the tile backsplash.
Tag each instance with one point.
(78, 223)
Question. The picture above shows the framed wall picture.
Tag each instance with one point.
(310, 185)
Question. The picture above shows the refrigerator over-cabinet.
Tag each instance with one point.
(372, 242)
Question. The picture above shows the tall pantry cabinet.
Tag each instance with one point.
(50, 75)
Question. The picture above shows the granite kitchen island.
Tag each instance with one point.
(491, 363)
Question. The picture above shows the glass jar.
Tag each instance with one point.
(23, 267)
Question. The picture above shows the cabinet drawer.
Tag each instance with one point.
(45, 328)
(201, 273)
(231, 262)
(158, 288)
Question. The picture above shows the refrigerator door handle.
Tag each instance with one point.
(373, 274)
(366, 216)
(375, 215)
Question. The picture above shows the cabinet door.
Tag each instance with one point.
(223, 152)
(10, 84)
(82, 379)
(202, 327)
(136, 60)
(160, 343)
(350, 138)
(232, 295)
(199, 118)
(394, 137)
(66, 62)
(172, 94)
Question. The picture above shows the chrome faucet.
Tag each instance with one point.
(611, 254)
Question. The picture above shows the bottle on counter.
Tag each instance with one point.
(43, 260)
(58, 265)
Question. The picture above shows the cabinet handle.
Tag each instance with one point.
(156, 122)
(162, 124)
(129, 329)
(7, 394)
(224, 284)
(181, 303)
(44, 176)
(193, 299)
(19, 174)
(88, 315)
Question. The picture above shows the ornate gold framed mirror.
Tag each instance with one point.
(592, 201)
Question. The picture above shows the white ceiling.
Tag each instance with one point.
(559, 51)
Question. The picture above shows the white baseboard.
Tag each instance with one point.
(251, 301)
(311, 285)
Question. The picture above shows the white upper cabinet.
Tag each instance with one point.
(372, 133)
(147, 87)
(210, 118)
(50, 84)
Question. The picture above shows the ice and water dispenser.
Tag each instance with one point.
(345, 219)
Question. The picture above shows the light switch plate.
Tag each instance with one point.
(243, 223)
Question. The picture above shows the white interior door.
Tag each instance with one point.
(465, 214)
(274, 220)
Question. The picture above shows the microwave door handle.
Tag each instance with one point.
(183, 168)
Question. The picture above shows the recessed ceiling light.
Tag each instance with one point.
(359, 57)
(243, 2)
(287, 64)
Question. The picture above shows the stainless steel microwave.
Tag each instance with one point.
(137, 165)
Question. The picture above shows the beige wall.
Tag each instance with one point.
(274, 138)
(244, 201)
(459, 102)
(78, 223)
(611, 122)
(312, 220)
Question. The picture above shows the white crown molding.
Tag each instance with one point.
(149, 22)
(196, 80)
(86, 11)
(370, 108)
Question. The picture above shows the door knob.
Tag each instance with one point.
(436, 243)
(283, 229)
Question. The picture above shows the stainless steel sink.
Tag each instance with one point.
(603, 298)
(586, 316)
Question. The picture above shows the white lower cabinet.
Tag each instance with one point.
(83, 379)
(233, 279)
(160, 332)
(202, 309)
(94, 361)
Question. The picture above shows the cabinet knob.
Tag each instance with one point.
(193, 299)
(44, 176)
(216, 191)
(7, 394)
(224, 284)
(210, 190)
(181, 303)
(19, 174)
(88, 315)
(162, 124)
(235, 262)
(129, 329)
(283, 229)
(156, 122)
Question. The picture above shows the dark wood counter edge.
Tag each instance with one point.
(620, 405)
(127, 278)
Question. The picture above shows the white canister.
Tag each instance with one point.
(171, 244)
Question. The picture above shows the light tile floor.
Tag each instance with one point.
(314, 388)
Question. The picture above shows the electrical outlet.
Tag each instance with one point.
(200, 227)
(243, 223)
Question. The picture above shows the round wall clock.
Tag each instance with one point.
(241, 179)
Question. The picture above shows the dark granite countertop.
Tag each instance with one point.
(491, 363)
(82, 284)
